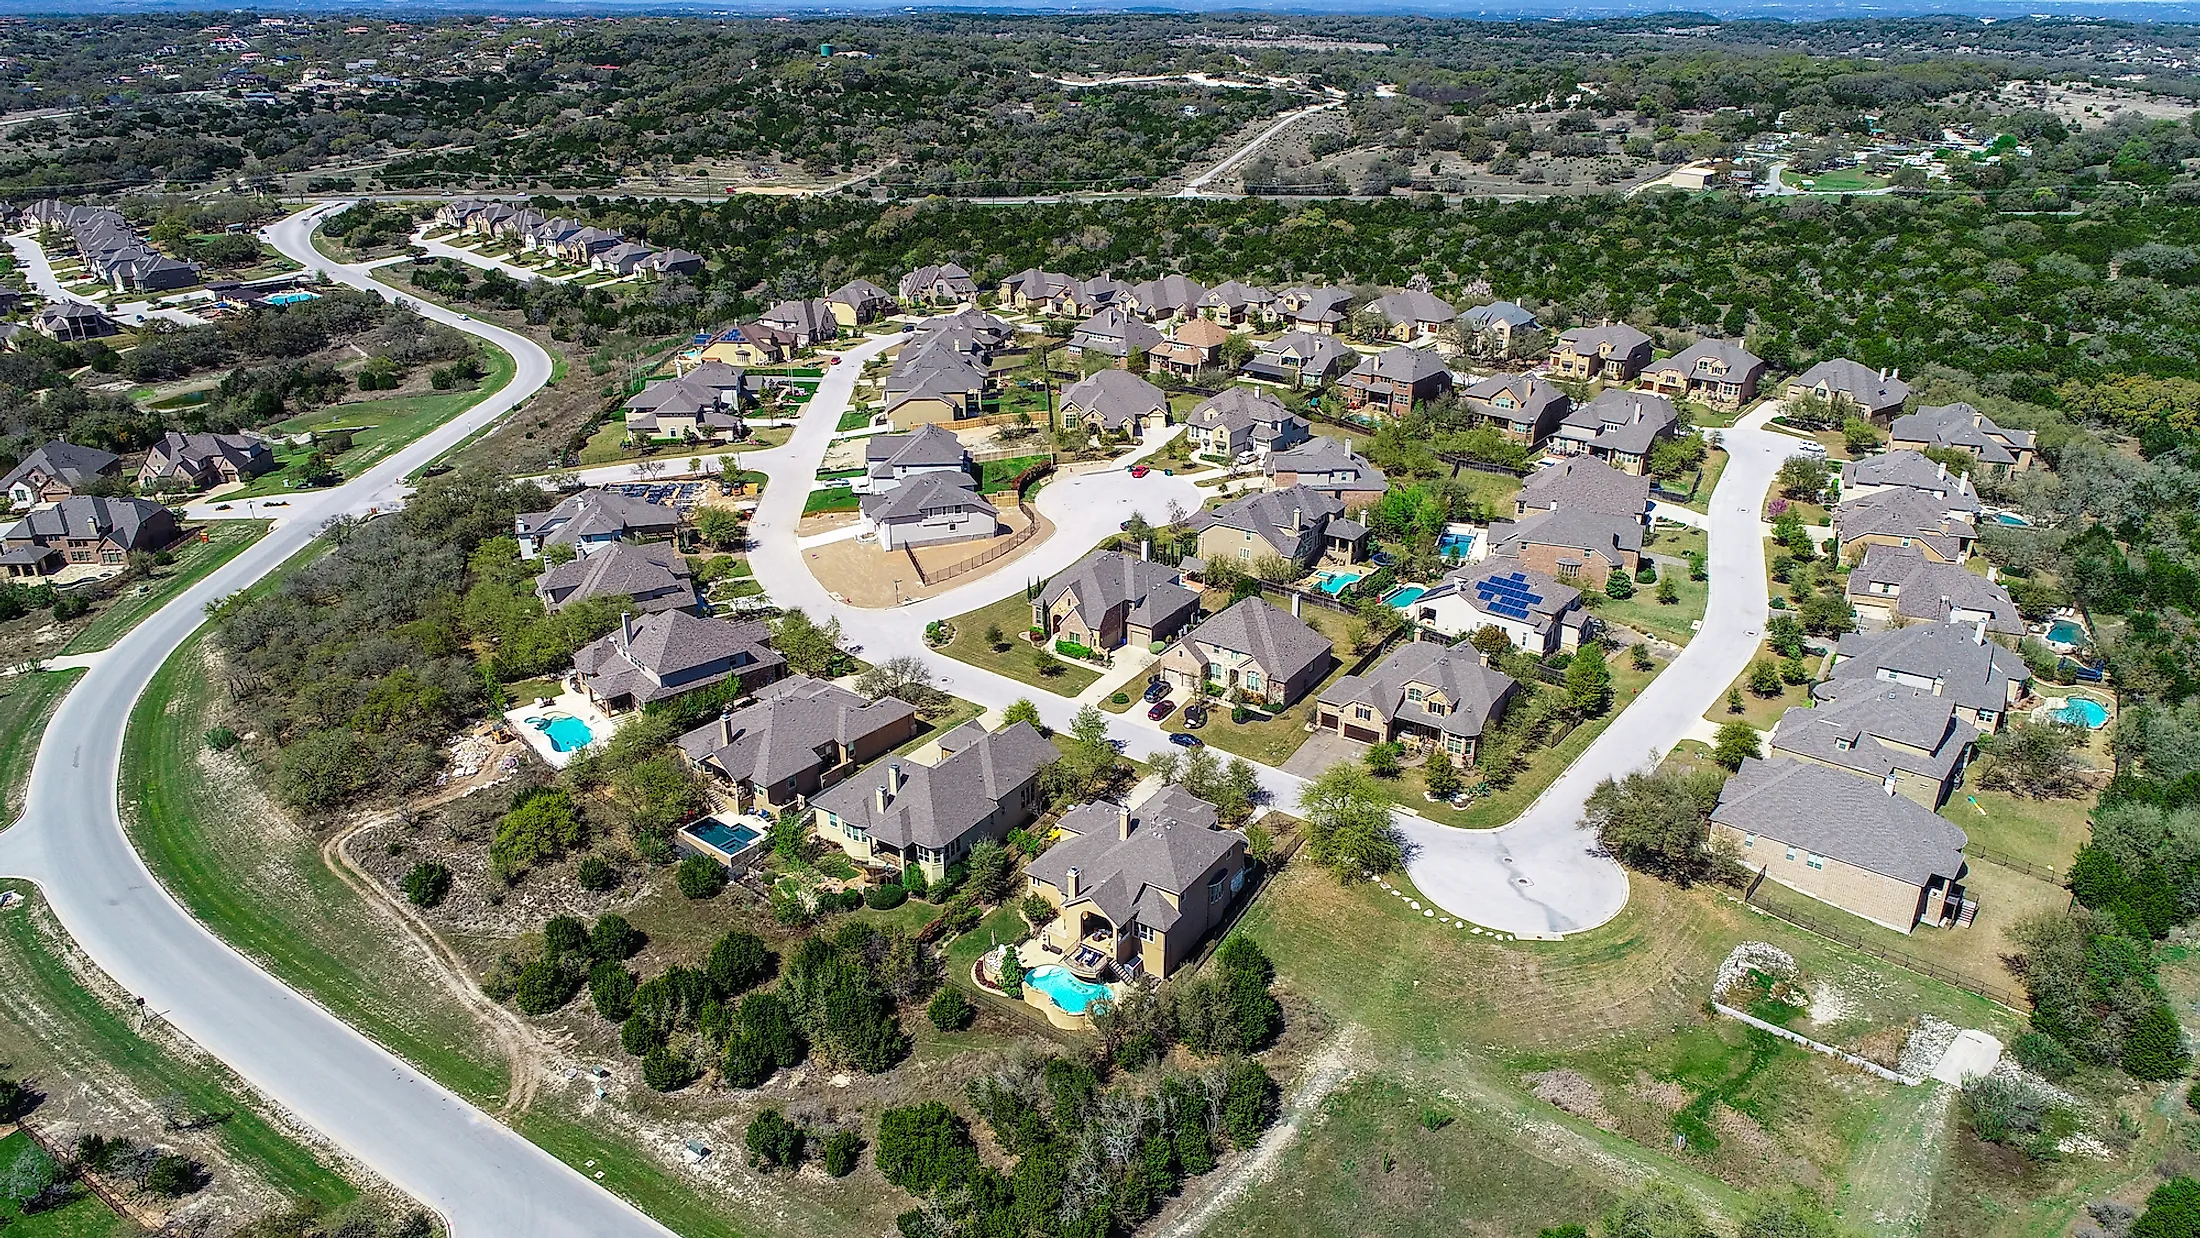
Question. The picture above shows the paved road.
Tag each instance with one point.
(31, 256)
(484, 1179)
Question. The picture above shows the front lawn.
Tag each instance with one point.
(995, 476)
(1762, 711)
(831, 499)
(1012, 615)
(856, 419)
(1541, 769)
(194, 559)
(1644, 612)
(1271, 742)
(27, 702)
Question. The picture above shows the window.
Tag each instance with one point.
(1814, 861)
(1454, 745)
(1145, 931)
(1362, 712)
(1214, 887)
(1791, 853)
(1415, 694)
(1749, 840)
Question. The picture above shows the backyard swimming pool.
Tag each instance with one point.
(1455, 545)
(567, 733)
(1334, 583)
(1404, 595)
(1067, 992)
(727, 838)
(292, 298)
(2083, 711)
(2064, 632)
(2011, 519)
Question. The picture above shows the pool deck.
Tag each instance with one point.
(568, 701)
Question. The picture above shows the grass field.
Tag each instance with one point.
(27, 703)
(1012, 615)
(225, 540)
(1762, 711)
(1544, 765)
(2043, 832)
(1714, 463)
(856, 419)
(1837, 180)
(1644, 612)
(61, 1035)
(85, 1216)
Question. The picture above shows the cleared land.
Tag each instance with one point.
(1012, 615)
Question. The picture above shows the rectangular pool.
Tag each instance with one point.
(724, 837)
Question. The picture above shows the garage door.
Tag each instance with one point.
(1362, 734)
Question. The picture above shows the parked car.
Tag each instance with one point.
(1139, 470)
(1181, 740)
(1156, 690)
(1161, 709)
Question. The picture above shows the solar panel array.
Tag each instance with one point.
(1509, 595)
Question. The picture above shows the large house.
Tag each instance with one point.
(860, 302)
(1324, 465)
(1846, 841)
(1910, 470)
(930, 509)
(1572, 544)
(1903, 737)
(1422, 695)
(749, 343)
(1299, 359)
(624, 258)
(1135, 890)
(1875, 395)
(591, 519)
(1109, 599)
(1614, 352)
(1964, 428)
(1956, 661)
(1115, 402)
(811, 322)
(1906, 518)
(71, 321)
(1618, 427)
(704, 403)
(798, 737)
(83, 530)
(1232, 302)
(1522, 407)
(1292, 523)
(655, 577)
(1535, 612)
(1901, 584)
(671, 262)
(1720, 373)
(945, 284)
(197, 461)
(899, 813)
(1318, 310)
(1268, 655)
(55, 471)
(662, 655)
(1192, 345)
(1240, 420)
(1584, 484)
(1395, 380)
(1414, 312)
(1032, 288)
(1171, 296)
(934, 382)
(891, 459)
(1113, 332)
(1497, 323)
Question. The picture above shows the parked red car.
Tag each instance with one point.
(1161, 709)
(1139, 470)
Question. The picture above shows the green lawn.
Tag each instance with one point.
(53, 1029)
(1838, 180)
(831, 499)
(27, 703)
(85, 1216)
(2043, 832)
(1714, 463)
(998, 475)
(225, 540)
(1271, 742)
(1762, 711)
(1543, 767)
(1012, 615)
(856, 419)
(1644, 612)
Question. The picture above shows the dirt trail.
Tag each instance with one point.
(521, 1049)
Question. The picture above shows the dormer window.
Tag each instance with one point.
(1414, 694)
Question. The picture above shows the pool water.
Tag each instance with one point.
(1404, 595)
(1066, 991)
(2064, 632)
(1455, 545)
(1334, 583)
(2083, 711)
(2012, 520)
(567, 733)
(292, 298)
(727, 838)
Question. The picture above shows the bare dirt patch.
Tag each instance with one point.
(1571, 1091)
(868, 576)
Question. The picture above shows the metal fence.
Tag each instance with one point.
(1909, 962)
(2041, 871)
(1024, 481)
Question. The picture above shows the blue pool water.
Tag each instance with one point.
(2011, 519)
(567, 733)
(1455, 545)
(1333, 583)
(1066, 991)
(2083, 711)
(727, 838)
(2064, 632)
(292, 298)
(1404, 595)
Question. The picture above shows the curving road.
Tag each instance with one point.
(484, 1179)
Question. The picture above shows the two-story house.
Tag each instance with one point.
(1135, 890)
(1421, 695)
(1720, 373)
(666, 654)
(798, 737)
(1254, 649)
(1109, 599)
(1614, 352)
(899, 813)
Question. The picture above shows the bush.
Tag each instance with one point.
(543, 986)
(923, 1148)
(611, 988)
(1121, 698)
(886, 897)
(774, 1142)
(222, 739)
(700, 877)
(1764, 678)
(666, 1071)
(2173, 1211)
(1248, 1102)
(595, 875)
(913, 880)
(950, 1011)
(764, 1039)
(1618, 587)
(173, 1176)
(738, 962)
(427, 884)
(843, 1149)
(2154, 1050)
(2044, 1056)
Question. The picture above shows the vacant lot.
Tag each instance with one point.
(1015, 657)
(194, 560)
(379, 427)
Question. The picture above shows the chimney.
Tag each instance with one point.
(1298, 519)
(1978, 634)
(725, 728)
(1145, 549)
(893, 778)
(1882, 373)
(1943, 470)
(91, 526)
(626, 631)
(1295, 603)
(879, 800)
(1122, 821)
(1939, 682)
(1069, 882)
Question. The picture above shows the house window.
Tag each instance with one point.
(1454, 745)
(1145, 931)
(1414, 694)
(1815, 861)
(1362, 712)
(1791, 853)
(1214, 887)
(1749, 840)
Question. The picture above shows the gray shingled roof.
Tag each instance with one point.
(1476, 693)
(927, 446)
(1624, 421)
(1894, 727)
(1590, 341)
(1961, 425)
(1927, 590)
(781, 735)
(1268, 515)
(1116, 397)
(1172, 847)
(1325, 463)
(923, 491)
(1507, 312)
(1279, 641)
(1842, 817)
(1904, 513)
(1106, 579)
(66, 461)
(1412, 306)
(1586, 484)
(1402, 365)
(135, 524)
(1974, 672)
(1911, 470)
(938, 804)
(1870, 389)
(593, 513)
(1569, 529)
(1552, 599)
(1116, 332)
(655, 576)
(1740, 363)
(634, 659)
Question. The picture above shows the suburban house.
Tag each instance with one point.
(1294, 523)
(1414, 312)
(1535, 612)
(1522, 407)
(662, 655)
(1618, 427)
(1422, 695)
(1109, 599)
(946, 284)
(969, 332)
(1572, 544)
(1968, 430)
(1903, 518)
(1319, 310)
(891, 459)
(1326, 466)
(1584, 483)
(1901, 584)
(656, 577)
(70, 321)
(933, 382)
(1845, 841)
(1082, 298)
(898, 813)
(55, 471)
(928, 509)
(1115, 402)
(83, 529)
(859, 302)
(1910, 470)
(1255, 648)
(1192, 345)
(1614, 352)
(1032, 288)
(1136, 890)
(1299, 359)
(704, 403)
(811, 322)
(197, 461)
(590, 519)
(1842, 382)
(1720, 373)
(798, 737)
(1497, 323)
(1232, 302)
(671, 262)
(1903, 737)
(1113, 332)
(624, 258)
(1171, 296)
(750, 343)
(1396, 379)
(112, 251)
(1950, 660)
(1238, 420)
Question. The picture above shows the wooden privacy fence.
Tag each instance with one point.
(1024, 482)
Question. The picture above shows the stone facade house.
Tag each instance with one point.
(589, 520)
(1241, 420)
(55, 471)
(1875, 395)
(1911, 519)
(1574, 546)
(1953, 660)
(1326, 466)
(1109, 599)
(1413, 313)
(1137, 890)
(945, 284)
(1614, 352)
(798, 737)
(1618, 427)
(1910, 470)
(1393, 381)
(1965, 429)
(1113, 332)
(1422, 695)
(1903, 737)
(666, 654)
(1585, 484)
(703, 404)
(860, 302)
(899, 813)
(1293, 523)
(1720, 373)
(654, 578)
(1903, 585)
(1254, 648)
(1300, 359)
(1522, 407)
(198, 461)
(1115, 402)
(84, 530)
(1320, 310)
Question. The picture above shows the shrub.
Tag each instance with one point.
(922, 1148)
(172, 1175)
(886, 897)
(543, 986)
(950, 1011)
(700, 877)
(1436, 1118)
(843, 1148)
(774, 1142)
(1618, 587)
(913, 880)
(738, 962)
(1764, 678)
(595, 875)
(1037, 910)
(427, 884)
(2044, 1056)
(2173, 1211)
(222, 739)
(1011, 977)
(2154, 1049)
(1121, 698)
(666, 1071)
(764, 1039)
(1248, 1102)
(611, 988)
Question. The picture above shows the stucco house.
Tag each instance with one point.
(1498, 322)
(929, 509)
(1109, 599)
(859, 302)
(1422, 695)
(891, 459)
(1171, 296)
(1414, 312)
(1192, 345)
(1233, 302)
(798, 737)
(1254, 648)
(1320, 310)
(1614, 352)
(1534, 611)
(899, 813)
(1137, 889)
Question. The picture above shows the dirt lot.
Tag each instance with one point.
(867, 576)
(2079, 103)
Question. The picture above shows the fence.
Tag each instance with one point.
(90, 1183)
(1316, 596)
(1024, 481)
(2041, 871)
(1286, 847)
(1910, 962)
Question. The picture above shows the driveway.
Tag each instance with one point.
(1321, 750)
